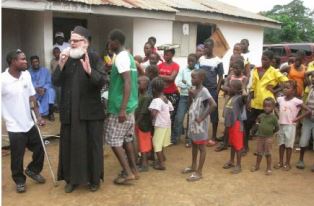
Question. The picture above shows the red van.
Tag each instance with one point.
(285, 50)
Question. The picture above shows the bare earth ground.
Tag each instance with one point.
(218, 186)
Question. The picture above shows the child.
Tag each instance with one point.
(138, 61)
(143, 127)
(199, 111)
(289, 107)
(151, 72)
(160, 109)
(307, 125)
(153, 58)
(267, 126)
(183, 81)
(234, 122)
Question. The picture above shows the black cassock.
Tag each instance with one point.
(82, 121)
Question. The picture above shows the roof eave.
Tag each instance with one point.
(193, 16)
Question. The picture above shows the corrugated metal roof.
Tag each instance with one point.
(212, 6)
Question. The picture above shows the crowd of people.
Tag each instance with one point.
(148, 100)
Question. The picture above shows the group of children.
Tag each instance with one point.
(243, 107)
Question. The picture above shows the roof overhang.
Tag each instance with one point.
(203, 17)
(70, 7)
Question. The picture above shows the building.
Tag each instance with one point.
(31, 24)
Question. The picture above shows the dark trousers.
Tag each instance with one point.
(18, 142)
(174, 99)
(249, 123)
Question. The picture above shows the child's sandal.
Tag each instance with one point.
(268, 172)
(254, 169)
(228, 165)
(187, 170)
(286, 167)
(278, 166)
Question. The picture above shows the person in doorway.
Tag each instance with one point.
(18, 94)
(122, 102)
(60, 43)
(45, 93)
(80, 75)
(213, 67)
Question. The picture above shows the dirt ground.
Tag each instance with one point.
(218, 186)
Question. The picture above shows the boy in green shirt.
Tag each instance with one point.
(122, 102)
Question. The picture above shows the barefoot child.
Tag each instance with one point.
(160, 109)
(289, 107)
(267, 126)
(199, 111)
(143, 126)
(234, 122)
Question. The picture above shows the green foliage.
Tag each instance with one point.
(297, 23)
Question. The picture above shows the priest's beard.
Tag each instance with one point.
(77, 53)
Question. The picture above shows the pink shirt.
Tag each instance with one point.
(163, 116)
(288, 110)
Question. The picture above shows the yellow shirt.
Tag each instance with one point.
(310, 67)
(271, 77)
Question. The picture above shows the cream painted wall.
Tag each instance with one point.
(144, 28)
(233, 33)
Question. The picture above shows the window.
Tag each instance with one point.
(306, 48)
(278, 51)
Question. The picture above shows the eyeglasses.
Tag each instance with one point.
(76, 40)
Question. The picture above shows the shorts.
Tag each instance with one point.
(236, 136)
(161, 138)
(118, 133)
(287, 135)
(144, 140)
(264, 145)
(214, 115)
(307, 132)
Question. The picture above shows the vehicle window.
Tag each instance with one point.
(278, 51)
(306, 48)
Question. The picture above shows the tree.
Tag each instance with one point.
(297, 23)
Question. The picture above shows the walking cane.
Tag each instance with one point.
(43, 144)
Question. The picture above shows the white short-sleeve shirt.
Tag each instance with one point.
(163, 116)
(122, 62)
(15, 95)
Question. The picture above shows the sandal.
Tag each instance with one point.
(268, 172)
(159, 167)
(278, 166)
(236, 170)
(228, 165)
(194, 177)
(122, 181)
(187, 170)
(188, 145)
(254, 169)
(286, 168)
(211, 143)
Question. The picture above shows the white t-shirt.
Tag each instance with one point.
(15, 95)
(163, 116)
(63, 46)
(122, 62)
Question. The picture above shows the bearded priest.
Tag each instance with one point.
(80, 75)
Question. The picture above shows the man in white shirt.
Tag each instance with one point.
(60, 43)
(17, 94)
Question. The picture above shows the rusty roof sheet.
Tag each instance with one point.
(211, 6)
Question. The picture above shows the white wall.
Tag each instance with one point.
(29, 31)
(144, 28)
(233, 33)
(11, 33)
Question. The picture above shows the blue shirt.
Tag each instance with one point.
(184, 74)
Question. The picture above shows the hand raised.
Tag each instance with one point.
(86, 64)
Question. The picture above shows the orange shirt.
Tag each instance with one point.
(298, 76)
